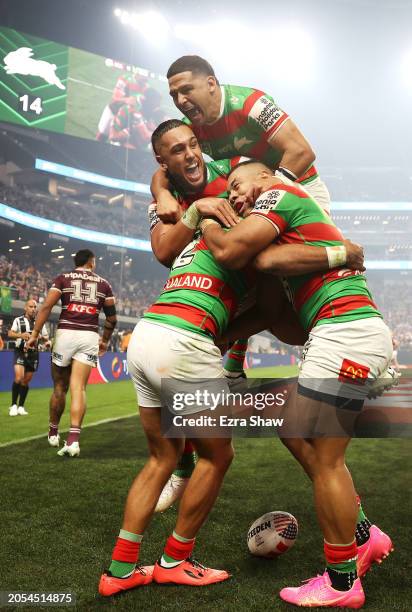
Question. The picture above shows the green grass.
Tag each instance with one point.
(59, 517)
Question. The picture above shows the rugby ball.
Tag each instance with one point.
(272, 534)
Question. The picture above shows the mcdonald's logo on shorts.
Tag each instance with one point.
(353, 372)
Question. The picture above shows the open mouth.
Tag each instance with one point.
(194, 172)
(193, 113)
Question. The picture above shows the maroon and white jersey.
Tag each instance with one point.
(83, 295)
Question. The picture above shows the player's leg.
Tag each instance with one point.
(18, 379)
(24, 390)
(175, 565)
(140, 503)
(79, 376)
(57, 403)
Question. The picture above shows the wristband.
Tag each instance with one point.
(192, 217)
(288, 173)
(205, 222)
(336, 256)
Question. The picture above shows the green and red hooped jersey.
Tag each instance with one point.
(216, 186)
(336, 296)
(200, 295)
(248, 119)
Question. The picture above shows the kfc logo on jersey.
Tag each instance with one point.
(266, 113)
(22, 62)
(82, 309)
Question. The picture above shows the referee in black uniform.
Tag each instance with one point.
(25, 362)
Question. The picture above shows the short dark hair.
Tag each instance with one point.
(191, 63)
(82, 257)
(163, 128)
(248, 162)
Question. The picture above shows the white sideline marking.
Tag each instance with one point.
(89, 84)
(128, 416)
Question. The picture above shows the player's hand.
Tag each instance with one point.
(354, 256)
(25, 335)
(168, 211)
(31, 342)
(218, 208)
(102, 347)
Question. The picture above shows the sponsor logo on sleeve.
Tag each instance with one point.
(265, 113)
(268, 201)
(153, 218)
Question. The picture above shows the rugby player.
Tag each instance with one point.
(229, 120)
(25, 362)
(348, 341)
(128, 91)
(83, 295)
(184, 178)
(175, 340)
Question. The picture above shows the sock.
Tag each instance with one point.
(125, 554)
(362, 526)
(176, 550)
(15, 390)
(187, 462)
(74, 435)
(341, 564)
(53, 429)
(24, 389)
(236, 356)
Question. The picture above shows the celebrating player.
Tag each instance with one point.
(183, 178)
(26, 362)
(83, 295)
(348, 341)
(175, 340)
(128, 91)
(229, 120)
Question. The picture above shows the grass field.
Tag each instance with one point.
(59, 517)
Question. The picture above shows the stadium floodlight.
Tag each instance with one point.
(152, 25)
(117, 12)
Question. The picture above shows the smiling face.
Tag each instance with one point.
(196, 95)
(179, 151)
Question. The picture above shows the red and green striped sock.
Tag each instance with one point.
(125, 554)
(236, 356)
(176, 550)
(341, 564)
(363, 525)
(187, 461)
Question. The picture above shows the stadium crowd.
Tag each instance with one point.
(89, 214)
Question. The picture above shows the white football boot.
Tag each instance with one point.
(172, 491)
(388, 379)
(13, 410)
(73, 450)
(22, 411)
(54, 440)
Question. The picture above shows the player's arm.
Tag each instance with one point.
(168, 240)
(254, 234)
(168, 208)
(109, 309)
(280, 132)
(14, 334)
(51, 300)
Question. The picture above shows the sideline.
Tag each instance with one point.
(44, 435)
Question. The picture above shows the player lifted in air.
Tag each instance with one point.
(348, 343)
(83, 295)
(230, 120)
(25, 361)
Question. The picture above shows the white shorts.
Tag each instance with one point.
(338, 358)
(160, 353)
(319, 192)
(75, 344)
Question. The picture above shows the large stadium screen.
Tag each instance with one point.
(46, 85)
